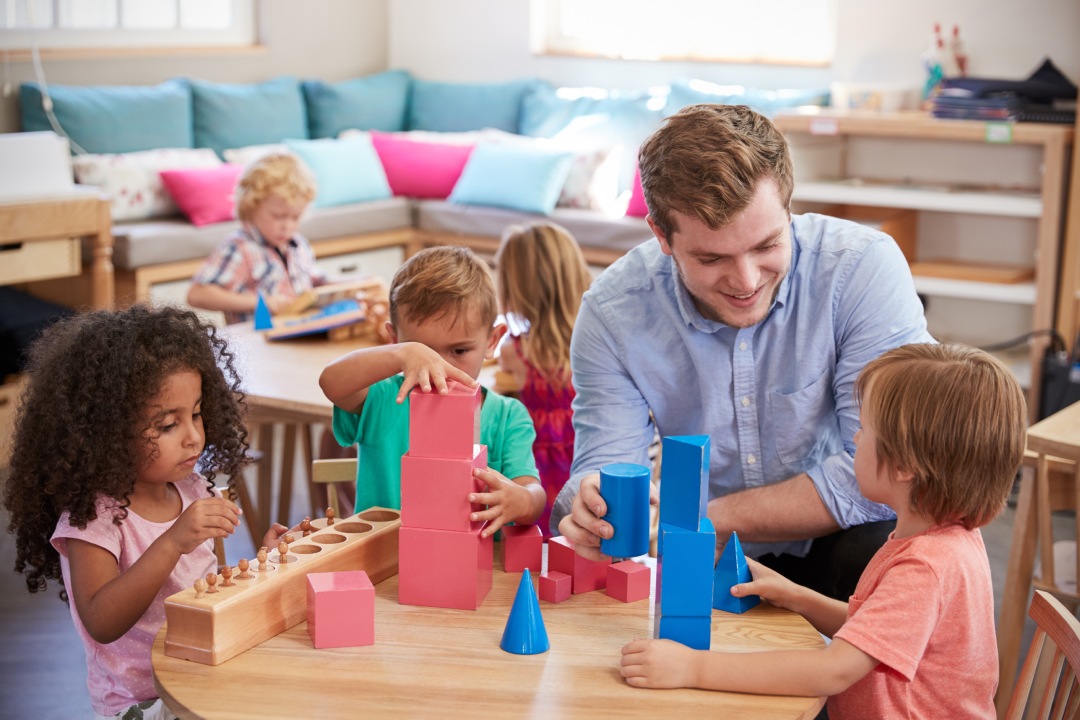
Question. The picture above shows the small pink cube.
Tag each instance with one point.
(341, 609)
(628, 581)
(588, 575)
(554, 587)
(522, 547)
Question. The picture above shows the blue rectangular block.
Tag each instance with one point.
(684, 480)
(684, 570)
(694, 632)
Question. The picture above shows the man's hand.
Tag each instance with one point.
(658, 664)
(583, 526)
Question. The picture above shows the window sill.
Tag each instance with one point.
(101, 53)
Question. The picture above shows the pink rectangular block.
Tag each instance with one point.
(444, 426)
(522, 547)
(443, 568)
(628, 581)
(341, 609)
(435, 491)
(554, 586)
(588, 575)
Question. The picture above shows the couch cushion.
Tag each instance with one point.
(204, 195)
(375, 102)
(513, 176)
(589, 228)
(162, 241)
(114, 119)
(233, 116)
(347, 171)
(420, 169)
(454, 107)
(691, 92)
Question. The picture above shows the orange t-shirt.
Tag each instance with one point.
(924, 608)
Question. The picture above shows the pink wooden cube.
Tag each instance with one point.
(588, 575)
(340, 609)
(555, 586)
(435, 491)
(444, 426)
(628, 581)
(444, 568)
(522, 547)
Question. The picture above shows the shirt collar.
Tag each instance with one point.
(257, 237)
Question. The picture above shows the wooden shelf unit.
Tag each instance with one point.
(1007, 180)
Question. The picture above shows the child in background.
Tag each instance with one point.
(942, 436)
(442, 327)
(126, 419)
(266, 255)
(541, 277)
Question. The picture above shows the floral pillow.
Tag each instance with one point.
(133, 180)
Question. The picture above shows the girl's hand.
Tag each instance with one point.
(275, 533)
(204, 519)
(658, 664)
(506, 500)
(425, 368)
(773, 587)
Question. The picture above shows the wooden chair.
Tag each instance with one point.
(331, 473)
(1048, 679)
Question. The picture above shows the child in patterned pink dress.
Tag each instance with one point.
(541, 276)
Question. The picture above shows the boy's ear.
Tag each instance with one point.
(497, 333)
(902, 476)
(391, 333)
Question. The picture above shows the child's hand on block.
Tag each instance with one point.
(506, 500)
(657, 664)
(426, 369)
(773, 587)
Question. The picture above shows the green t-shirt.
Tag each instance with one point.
(382, 432)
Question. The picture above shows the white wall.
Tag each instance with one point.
(475, 40)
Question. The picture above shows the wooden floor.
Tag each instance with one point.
(44, 669)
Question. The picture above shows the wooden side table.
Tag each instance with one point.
(40, 240)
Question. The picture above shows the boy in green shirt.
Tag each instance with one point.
(442, 327)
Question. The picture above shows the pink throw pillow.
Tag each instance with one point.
(637, 206)
(205, 195)
(420, 169)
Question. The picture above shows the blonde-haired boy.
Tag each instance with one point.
(442, 327)
(266, 255)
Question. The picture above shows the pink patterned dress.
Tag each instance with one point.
(549, 407)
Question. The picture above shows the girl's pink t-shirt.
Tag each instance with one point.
(119, 674)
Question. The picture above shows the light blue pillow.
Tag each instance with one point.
(520, 178)
(235, 116)
(375, 102)
(347, 170)
(114, 119)
(692, 92)
(459, 107)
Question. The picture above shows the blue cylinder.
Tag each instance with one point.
(625, 489)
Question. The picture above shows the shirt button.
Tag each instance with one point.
(742, 346)
(745, 401)
(750, 459)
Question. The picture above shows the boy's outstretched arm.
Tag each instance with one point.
(520, 500)
(823, 612)
(805, 673)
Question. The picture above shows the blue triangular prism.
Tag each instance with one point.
(525, 633)
(732, 570)
(263, 321)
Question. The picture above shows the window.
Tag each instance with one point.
(798, 32)
(126, 23)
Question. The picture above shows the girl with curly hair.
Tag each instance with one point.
(125, 421)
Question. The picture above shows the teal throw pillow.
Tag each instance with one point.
(375, 102)
(457, 107)
(234, 116)
(686, 92)
(347, 170)
(520, 178)
(110, 120)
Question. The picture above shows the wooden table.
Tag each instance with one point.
(436, 663)
(280, 380)
(39, 240)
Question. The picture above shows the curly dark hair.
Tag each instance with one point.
(80, 431)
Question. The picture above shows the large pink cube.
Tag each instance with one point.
(435, 491)
(443, 568)
(444, 426)
(588, 575)
(554, 586)
(522, 547)
(340, 609)
(628, 581)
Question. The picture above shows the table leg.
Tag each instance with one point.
(260, 517)
(102, 274)
(288, 460)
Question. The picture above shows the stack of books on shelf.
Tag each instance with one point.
(960, 104)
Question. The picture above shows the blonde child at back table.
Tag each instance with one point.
(942, 436)
(126, 420)
(541, 277)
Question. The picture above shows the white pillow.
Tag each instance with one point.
(247, 155)
(429, 136)
(133, 180)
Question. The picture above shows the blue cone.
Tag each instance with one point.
(263, 321)
(525, 633)
(731, 570)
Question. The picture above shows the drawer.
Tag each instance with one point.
(39, 260)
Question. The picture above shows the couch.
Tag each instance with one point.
(400, 161)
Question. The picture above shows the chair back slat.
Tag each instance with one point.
(1048, 677)
(332, 472)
